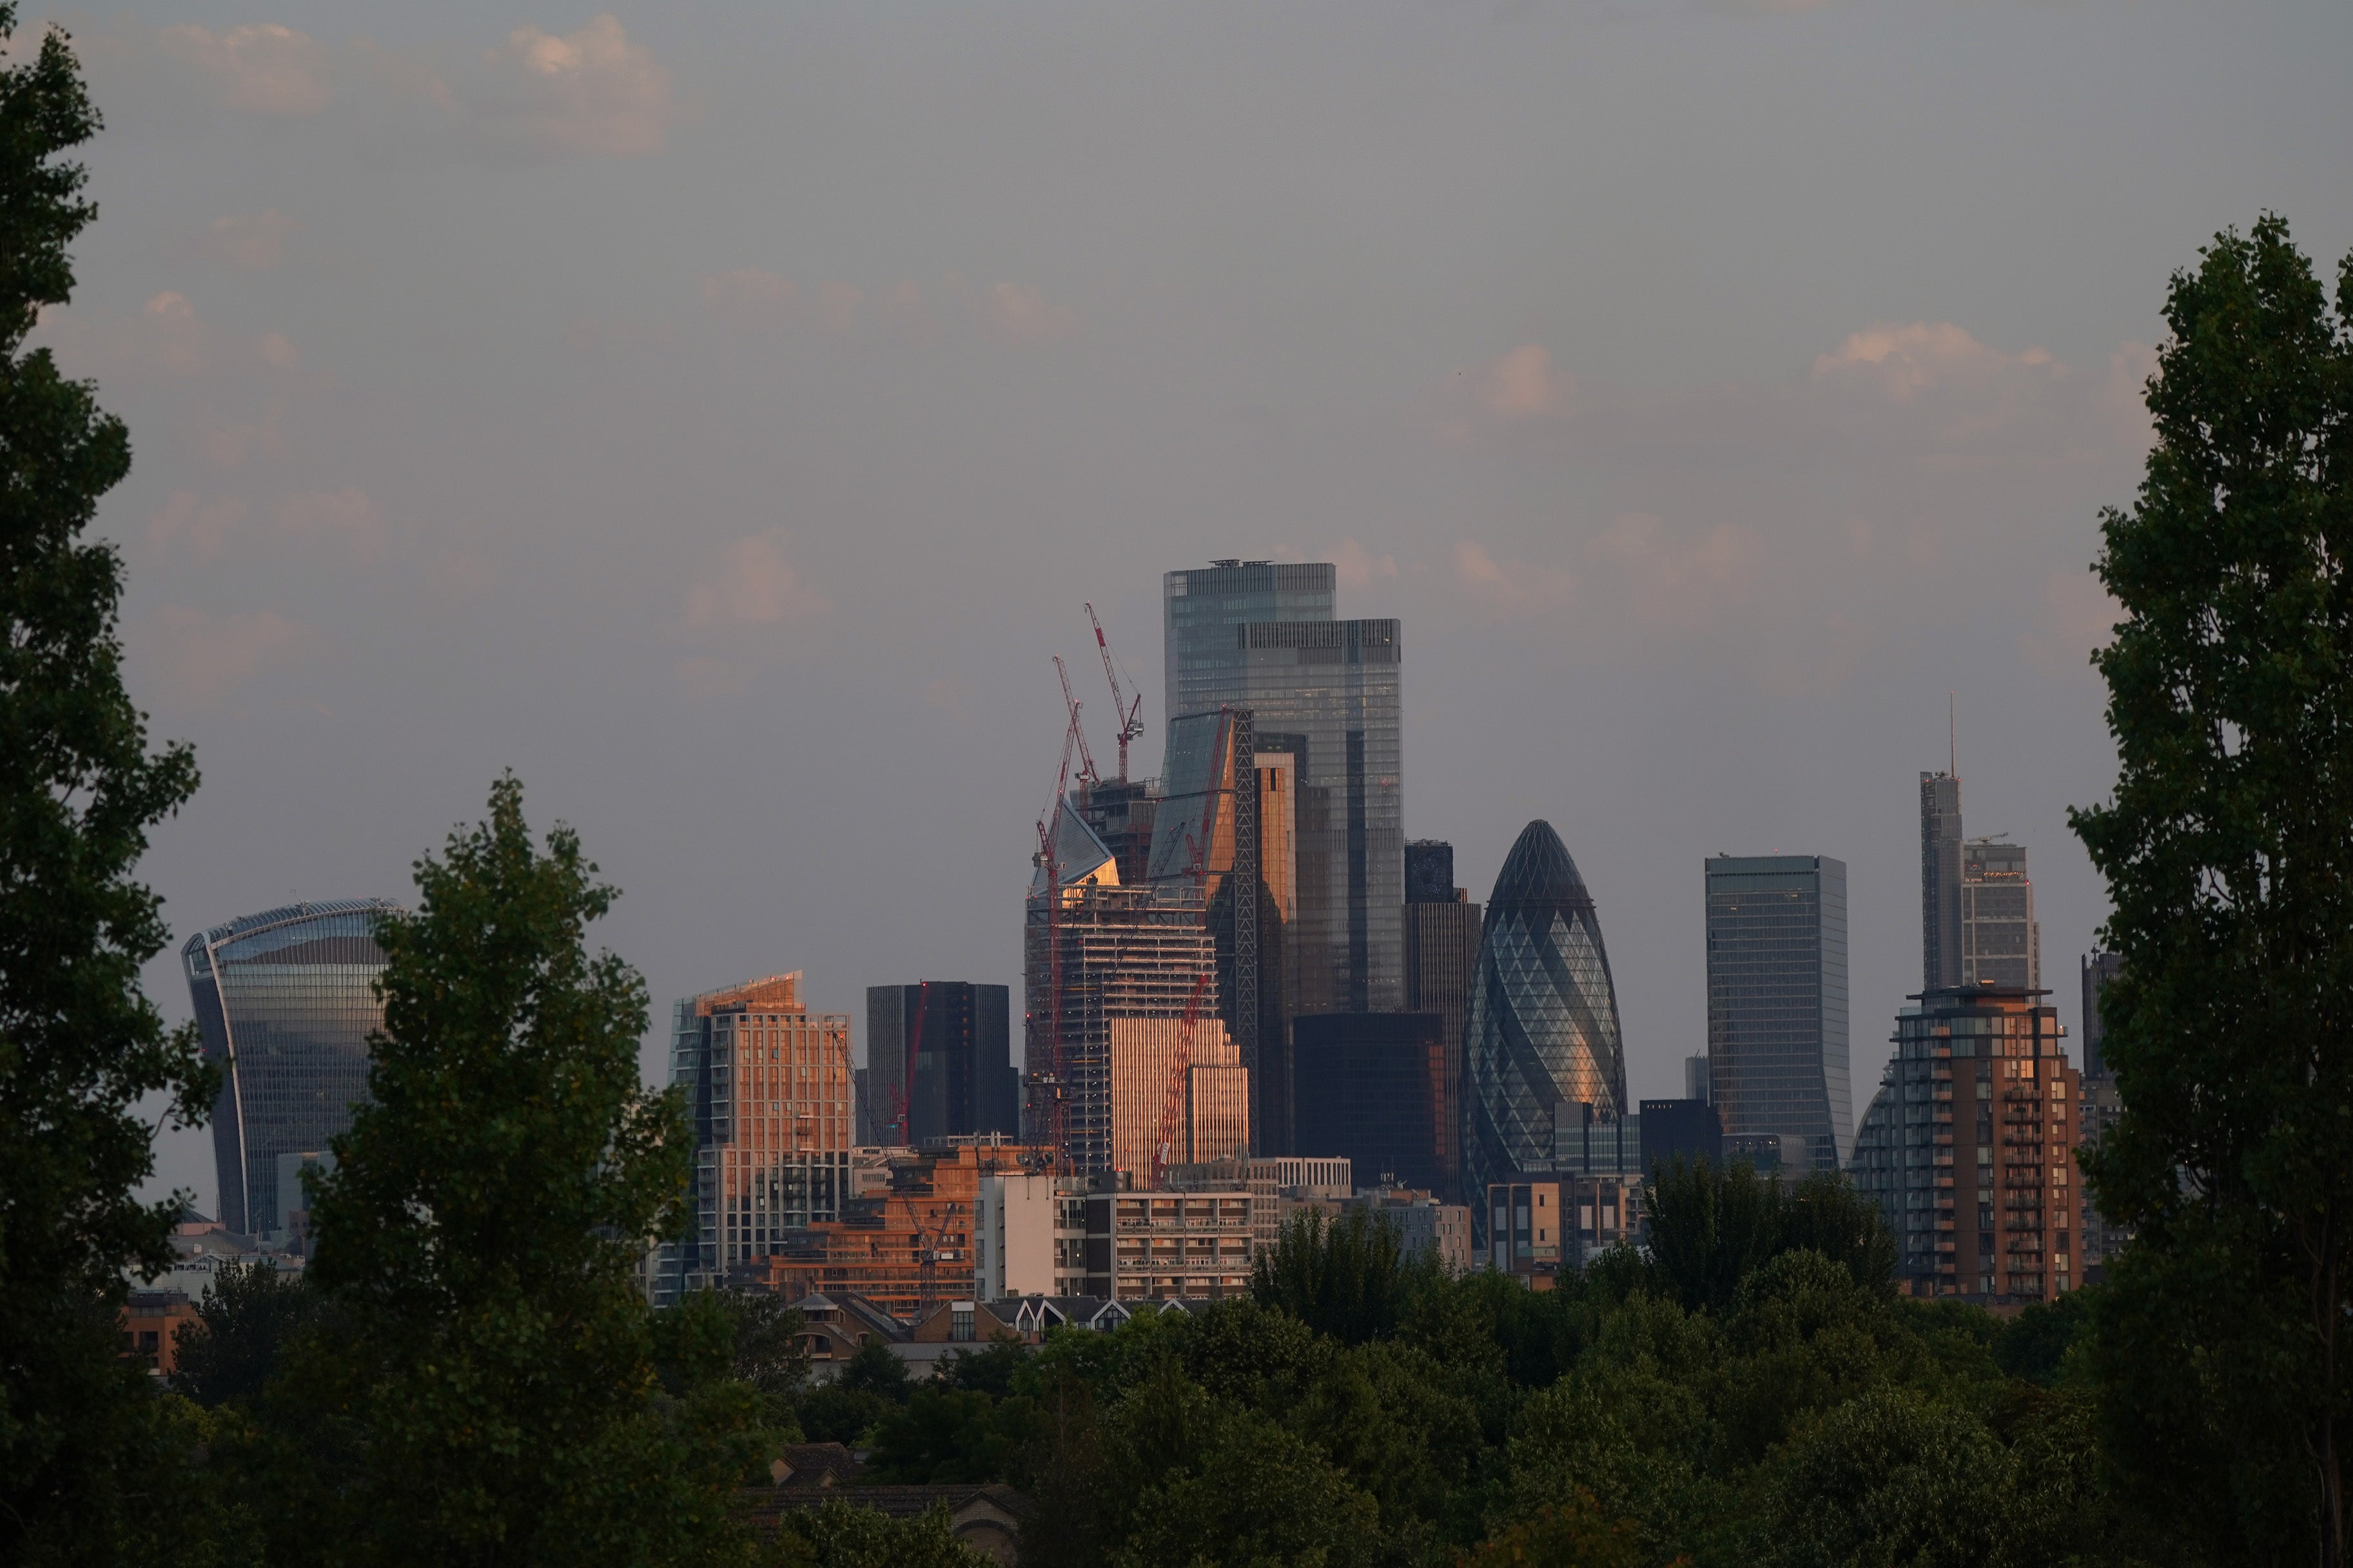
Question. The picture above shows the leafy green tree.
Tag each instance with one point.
(1576, 1536)
(1253, 1494)
(1346, 1277)
(479, 1232)
(1825, 1214)
(248, 1315)
(2227, 848)
(1710, 1224)
(1889, 1478)
(2033, 1345)
(841, 1534)
(79, 1045)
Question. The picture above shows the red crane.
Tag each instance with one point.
(1049, 860)
(902, 1093)
(1172, 1102)
(1087, 774)
(1130, 715)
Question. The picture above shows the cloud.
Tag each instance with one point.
(1521, 384)
(837, 306)
(187, 520)
(1517, 592)
(254, 241)
(590, 93)
(268, 69)
(751, 293)
(753, 586)
(345, 517)
(1356, 567)
(199, 658)
(165, 340)
(1666, 582)
(1902, 360)
(1019, 315)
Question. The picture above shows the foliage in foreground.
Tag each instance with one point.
(83, 1456)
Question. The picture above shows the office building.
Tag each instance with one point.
(1686, 1130)
(1111, 976)
(1543, 1025)
(1121, 812)
(938, 1062)
(1940, 881)
(1028, 1235)
(1524, 1232)
(1777, 1000)
(1374, 1092)
(1196, 1094)
(1261, 636)
(285, 1001)
(1695, 1084)
(2002, 944)
(1442, 953)
(768, 1089)
(1968, 1148)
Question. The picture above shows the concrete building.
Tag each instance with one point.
(1526, 1233)
(1373, 1090)
(1968, 1148)
(1427, 1227)
(1777, 1000)
(1442, 954)
(1159, 1246)
(939, 1062)
(768, 1088)
(2001, 944)
(1259, 637)
(1028, 1235)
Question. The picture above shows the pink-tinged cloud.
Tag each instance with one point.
(1903, 360)
(749, 292)
(267, 70)
(1675, 584)
(252, 241)
(753, 586)
(1356, 566)
(198, 527)
(591, 92)
(1517, 591)
(1019, 315)
(199, 658)
(1523, 385)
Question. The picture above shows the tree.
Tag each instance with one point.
(249, 1313)
(479, 1230)
(1710, 1226)
(836, 1533)
(2228, 850)
(79, 1045)
(1346, 1277)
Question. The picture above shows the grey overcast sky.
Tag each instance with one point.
(717, 412)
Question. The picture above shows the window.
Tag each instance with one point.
(960, 1321)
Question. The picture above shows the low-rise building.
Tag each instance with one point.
(1425, 1228)
(1526, 1233)
(150, 1326)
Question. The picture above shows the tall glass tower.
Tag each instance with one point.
(1259, 635)
(1541, 1049)
(1777, 1000)
(286, 1002)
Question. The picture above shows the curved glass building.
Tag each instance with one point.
(1542, 1037)
(286, 1000)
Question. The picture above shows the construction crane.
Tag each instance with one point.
(1172, 1102)
(1129, 715)
(902, 1093)
(1087, 774)
(1049, 860)
(932, 1249)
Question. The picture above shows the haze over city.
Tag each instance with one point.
(719, 417)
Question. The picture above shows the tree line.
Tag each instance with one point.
(466, 1373)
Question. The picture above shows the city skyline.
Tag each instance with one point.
(1717, 415)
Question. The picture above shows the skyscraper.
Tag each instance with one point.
(1442, 953)
(286, 1002)
(1777, 1000)
(953, 1035)
(1259, 636)
(1940, 881)
(2001, 940)
(1542, 1036)
(1379, 1094)
(2098, 969)
(768, 1088)
(1205, 840)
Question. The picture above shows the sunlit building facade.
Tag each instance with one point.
(1777, 1000)
(286, 1002)
(1543, 1035)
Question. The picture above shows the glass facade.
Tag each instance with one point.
(1259, 637)
(953, 1035)
(2001, 942)
(1777, 1000)
(1543, 1032)
(1374, 1093)
(286, 1002)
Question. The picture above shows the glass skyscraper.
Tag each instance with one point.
(1259, 635)
(286, 1002)
(1542, 1048)
(1777, 1000)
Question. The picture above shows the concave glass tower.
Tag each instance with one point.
(1542, 1037)
(286, 1000)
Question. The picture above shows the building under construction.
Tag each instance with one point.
(1130, 1063)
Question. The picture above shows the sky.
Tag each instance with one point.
(718, 414)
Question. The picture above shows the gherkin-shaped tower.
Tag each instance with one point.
(1542, 1027)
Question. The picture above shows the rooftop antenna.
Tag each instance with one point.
(1952, 739)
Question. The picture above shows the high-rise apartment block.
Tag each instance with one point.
(768, 1085)
(1777, 1000)
(1259, 637)
(939, 1063)
(1442, 954)
(1969, 1147)
(1940, 881)
(1977, 904)
(285, 1001)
